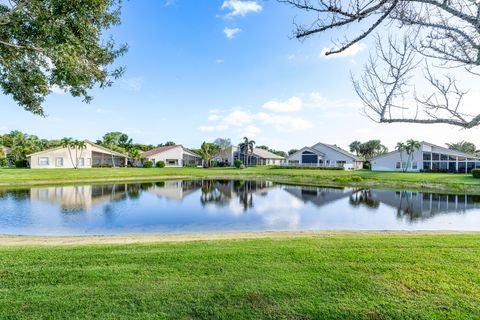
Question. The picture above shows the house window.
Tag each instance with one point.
(426, 166)
(414, 165)
(341, 163)
(435, 156)
(43, 161)
(398, 165)
(81, 162)
(443, 157)
(59, 162)
(89, 161)
(293, 161)
(427, 156)
(309, 157)
(171, 162)
(328, 162)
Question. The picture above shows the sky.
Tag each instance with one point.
(197, 70)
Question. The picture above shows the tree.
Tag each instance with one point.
(135, 154)
(246, 147)
(355, 147)
(207, 151)
(68, 143)
(370, 149)
(223, 142)
(167, 144)
(47, 44)
(463, 146)
(277, 152)
(292, 151)
(79, 145)
(409, 147)
(437, 36)
(109, 142)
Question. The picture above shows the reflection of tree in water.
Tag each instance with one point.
(363, 197)
(16, 194)
(406, 207)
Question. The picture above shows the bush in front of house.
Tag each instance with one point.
(21, 164)
(307, 167)
(160, 164)
(476, 173)
(148, 164)
(191, 165)
(3, 162)
(238, 163)
(101, 165)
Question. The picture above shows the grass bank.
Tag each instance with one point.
(414, 181)
(372, 276)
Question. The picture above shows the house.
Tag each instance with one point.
(259, 157)
(428, 157)
(91, 156)
(173, 156)
(323, 154)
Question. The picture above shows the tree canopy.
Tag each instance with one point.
(56, 44)
(463, 146)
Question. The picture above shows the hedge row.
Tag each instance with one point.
(476, 173)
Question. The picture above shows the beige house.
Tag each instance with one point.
(259, 157)
(90, 156)
(173, 156)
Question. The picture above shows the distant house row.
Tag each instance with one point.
(428, 157)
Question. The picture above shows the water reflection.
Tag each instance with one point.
(227, 205)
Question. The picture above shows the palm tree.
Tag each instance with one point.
(355, 147)
(79, 145)
(136, 155)
(109, 142)
(411, 147)
(68, 143)
(401, 147)
(246, 147)
(207, 151)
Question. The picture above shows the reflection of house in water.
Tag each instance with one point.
(319, 196)
(419, 206)
(175, 190)
(77, 198)
(222, 192)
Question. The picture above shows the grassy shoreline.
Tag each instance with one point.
(367, 276)
(435, 182)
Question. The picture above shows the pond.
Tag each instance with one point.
(227, 206)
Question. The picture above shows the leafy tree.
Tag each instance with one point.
(135, 154)
(168, 144)
(223, 142)
(409, 147)
(69, 143)
(46, 44)
(208, 151)
(463, 146)
(109, 142)
(369, 149)
(292, 151)
(117, 141)
(355, 147)
(277, 152)
(246, 147)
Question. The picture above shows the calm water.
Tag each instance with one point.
(222, 206)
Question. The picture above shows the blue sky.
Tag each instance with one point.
(202, 69)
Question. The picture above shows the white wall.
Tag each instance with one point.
(171, 154)
(389, 161)
(52, 155)
(330, 159)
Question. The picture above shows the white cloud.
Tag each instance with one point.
(57, 90)
(248, 131)
(230, 33)
(287, 123)
(240, 8)
(352, 51)
(213, 117)
(294, 104)
(219, 61)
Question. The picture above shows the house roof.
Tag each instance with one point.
(308, 149)
(109, 151)
(262, 153)
(158, 150)
(344, 152)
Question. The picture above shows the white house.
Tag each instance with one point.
(173, 156)
(323, 154)
(259, 157)
(90, 156)
(428, 157)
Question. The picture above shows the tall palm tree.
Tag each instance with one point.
(401, 147)
(355, 147)
(247, 147)
(79, 145)
(109, 142)
(135, 154)
(68, 143)
(411, 147)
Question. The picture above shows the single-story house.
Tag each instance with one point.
(323, 154)
(90, 156)
(428, 157)
(259, 157)
(173, 156)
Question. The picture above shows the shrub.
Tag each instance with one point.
(367, 165)
(242, 166)
(21, 164)
(159, 164)
(238, 163)
(191, 165)
(476, 173)
(101, 165)
(307, 167)
(3, 162)
(148, 164)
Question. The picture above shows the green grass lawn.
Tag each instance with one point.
(373, 276)
(427, 181)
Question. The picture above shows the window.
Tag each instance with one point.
(81, 162)
(435, 156)
(89, 161)
(293, 161)
(43, 161)
(59, 162)
(427, 156)
(452, 158)
(309, 157)
(443, 157)
(414, 165)
(328, 162)
(171, 162)
(341, 163)
(398, 165)
(426, 166)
